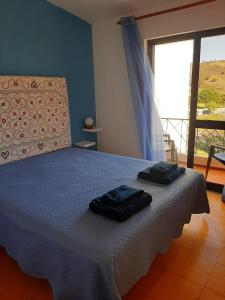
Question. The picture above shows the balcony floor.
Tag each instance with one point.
(215, 175)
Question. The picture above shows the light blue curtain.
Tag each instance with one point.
(142, 90)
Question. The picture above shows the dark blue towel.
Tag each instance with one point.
(166, 179)
(162, 168)
(121, 196)
(120, 213)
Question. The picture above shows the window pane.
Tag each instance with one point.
(211, 92)
(173, 70)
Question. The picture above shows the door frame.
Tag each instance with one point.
(193, 122)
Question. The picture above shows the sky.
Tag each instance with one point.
(213, 48)
(172, 85)
(172, 78)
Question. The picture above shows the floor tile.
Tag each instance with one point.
(179, 243)
(196, 268)
(205, 246)
(210, 295)
(171, 286)
(215, 174)
(44, 293)
(141, 289)
(222, 257)
(206, 227)
(216, 281)
(24, 287)
(3, 294)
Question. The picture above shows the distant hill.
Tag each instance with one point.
(212, 74)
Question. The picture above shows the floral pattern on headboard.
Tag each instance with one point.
(34, 116)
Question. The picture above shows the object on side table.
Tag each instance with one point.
(88, 123)
(92, 130)
(84, 144)
(89, 128)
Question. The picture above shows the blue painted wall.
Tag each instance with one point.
(37, 38)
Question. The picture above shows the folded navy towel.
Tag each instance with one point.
(120, 213)
(122, 195)
(162, 168)
(166, 179)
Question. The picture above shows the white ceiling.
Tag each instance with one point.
(96, 10)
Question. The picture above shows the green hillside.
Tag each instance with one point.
(211, 94)
(212, 74)
(211, 99)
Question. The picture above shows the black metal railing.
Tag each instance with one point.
(205, 137)
(178, 128)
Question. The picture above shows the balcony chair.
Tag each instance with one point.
(218, 155)
(169, 146)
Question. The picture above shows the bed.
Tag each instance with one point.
(46, 226)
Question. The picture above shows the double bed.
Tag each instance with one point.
(45, 223)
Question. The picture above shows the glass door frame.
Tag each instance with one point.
(194, 123)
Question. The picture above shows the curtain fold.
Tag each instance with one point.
(142, 90)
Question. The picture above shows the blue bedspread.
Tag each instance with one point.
(46, 226)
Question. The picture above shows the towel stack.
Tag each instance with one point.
(162, 172)
(121, 203)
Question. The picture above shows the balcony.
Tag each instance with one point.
(177, 129)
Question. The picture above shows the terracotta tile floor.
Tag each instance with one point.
(193, 268)
(215, 174)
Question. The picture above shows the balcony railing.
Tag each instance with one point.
(206, 137)
(178, 128)
(178, 131)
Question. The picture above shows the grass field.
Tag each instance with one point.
(213, 117)
(212, 77)
(212, 74)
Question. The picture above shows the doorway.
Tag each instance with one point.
(189, 74)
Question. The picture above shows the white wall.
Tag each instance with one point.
(114, 110)
(113, 100)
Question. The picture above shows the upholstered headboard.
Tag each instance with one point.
(34, 116)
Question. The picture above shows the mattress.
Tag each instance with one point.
(45, 223)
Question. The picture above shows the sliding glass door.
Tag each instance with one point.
(210, 114)
(190, 94)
